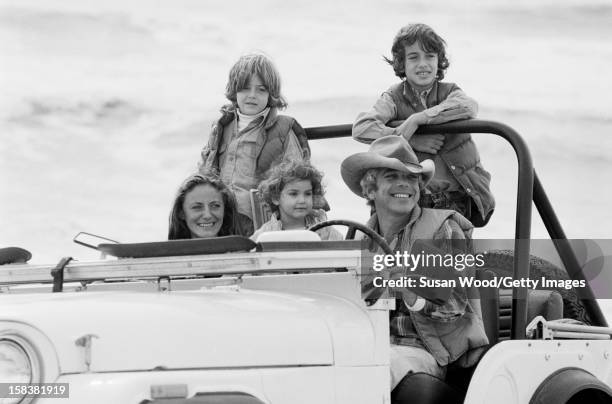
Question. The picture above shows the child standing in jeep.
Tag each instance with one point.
(419, 59)
(251, 137)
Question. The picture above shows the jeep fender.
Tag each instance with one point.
(572, 385)
(525, 371)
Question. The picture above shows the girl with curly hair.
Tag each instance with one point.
(291, 191)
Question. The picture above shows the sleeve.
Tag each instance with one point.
(293, 150)
(458, 97)
(333, 234)
(302, 139)
(456, 106)
(372, 125)
(205, 163)
(202, 166)
(450, 237)
(446, 239)
(270, 225)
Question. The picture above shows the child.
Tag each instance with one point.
(250, 137)
(460, 183)
(290, 190)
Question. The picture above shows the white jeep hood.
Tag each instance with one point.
(197, 329)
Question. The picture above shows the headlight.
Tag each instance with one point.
(15, 365)
(18, 363)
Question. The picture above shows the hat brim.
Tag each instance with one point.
(354, 167)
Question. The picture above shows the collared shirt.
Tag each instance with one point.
(422, 95)
(402, 328)
(237, 162)
(372, 125)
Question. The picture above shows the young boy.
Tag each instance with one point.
(419, 59)
(251, 137)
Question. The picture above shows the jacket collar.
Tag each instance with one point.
(412, 97)
(271, 118)
(228, 114)
(414, 216)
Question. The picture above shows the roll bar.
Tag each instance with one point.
(529, 188)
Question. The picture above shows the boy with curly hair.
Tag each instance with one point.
(419, 59)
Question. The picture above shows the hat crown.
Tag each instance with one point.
(395, 147)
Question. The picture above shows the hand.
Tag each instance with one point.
(410, 125)
(409, 297)
(456, 106)
(427, 143)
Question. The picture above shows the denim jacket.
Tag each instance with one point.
(252, 152)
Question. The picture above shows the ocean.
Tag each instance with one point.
(105, 105)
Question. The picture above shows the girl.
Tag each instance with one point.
(419, 59)
(204, 207)
(250, 137)
(290, 190)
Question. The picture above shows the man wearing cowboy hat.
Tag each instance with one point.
(425, 337)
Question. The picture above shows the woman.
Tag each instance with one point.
(204, 207)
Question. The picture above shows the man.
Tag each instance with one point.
(425, 337)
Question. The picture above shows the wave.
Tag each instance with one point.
(75, 33)
(577, 116)
(99, 113)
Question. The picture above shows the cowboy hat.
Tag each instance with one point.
(391, 152)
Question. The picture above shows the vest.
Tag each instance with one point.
(270, 147)
(459, 152)
(432, 219)
(462, 340)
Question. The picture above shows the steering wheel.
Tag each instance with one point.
(369, 292)
(352, 228)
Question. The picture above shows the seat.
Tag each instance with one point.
(497, 308)
(259, 208)
(421, 388)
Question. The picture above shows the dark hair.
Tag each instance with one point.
(282, 174)
(427, 39)
(178, 227)
(258, 64)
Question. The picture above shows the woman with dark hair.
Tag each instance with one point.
(204, 207)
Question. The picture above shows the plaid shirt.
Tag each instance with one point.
(403, 331)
